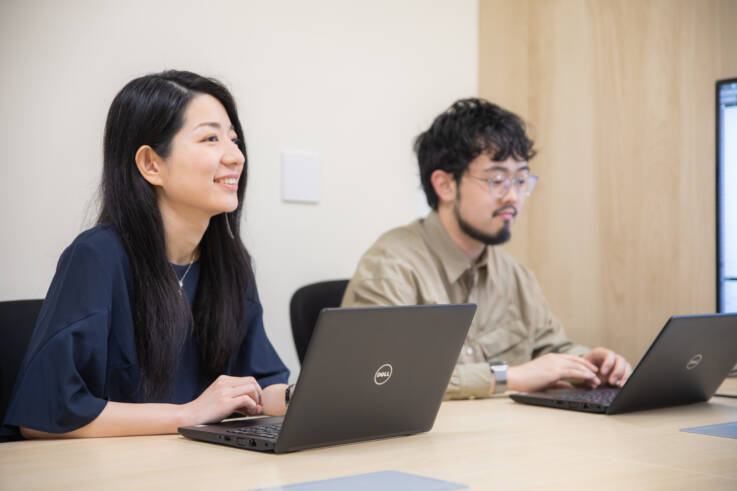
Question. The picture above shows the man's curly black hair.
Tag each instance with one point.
(464, 131)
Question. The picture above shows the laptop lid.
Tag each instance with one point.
(686, 363)
(374, 372)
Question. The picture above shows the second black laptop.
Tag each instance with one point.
(686, 363)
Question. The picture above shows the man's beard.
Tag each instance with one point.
(502, 236)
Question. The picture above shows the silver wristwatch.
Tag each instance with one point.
(499, 370)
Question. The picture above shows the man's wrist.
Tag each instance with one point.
(499, 370)
(512, 378)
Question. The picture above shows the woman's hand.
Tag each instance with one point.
(222, 398)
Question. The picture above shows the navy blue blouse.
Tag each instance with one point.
(83, 351)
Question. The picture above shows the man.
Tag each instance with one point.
(474, 171)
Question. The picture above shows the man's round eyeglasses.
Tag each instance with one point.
(499, 185)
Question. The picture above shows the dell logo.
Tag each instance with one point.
(383, 374)
(694, 361)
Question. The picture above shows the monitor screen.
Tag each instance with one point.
(726, 102)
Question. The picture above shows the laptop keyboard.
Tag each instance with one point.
(270, 431)
(602, 397)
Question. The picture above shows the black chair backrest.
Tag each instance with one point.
(17, 320)
(305, 307)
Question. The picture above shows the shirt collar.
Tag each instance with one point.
(452, 258)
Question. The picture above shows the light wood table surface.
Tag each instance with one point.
(485, 444)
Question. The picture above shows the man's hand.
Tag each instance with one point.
(613, 368)
(547, 372)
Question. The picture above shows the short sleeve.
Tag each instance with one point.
(61, 382)
(257, 357)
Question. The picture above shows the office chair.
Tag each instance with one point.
(306, 304)
(17, 320)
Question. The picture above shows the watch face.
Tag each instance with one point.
(499, 369)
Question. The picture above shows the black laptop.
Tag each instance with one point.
(368, 373)
(686, 363)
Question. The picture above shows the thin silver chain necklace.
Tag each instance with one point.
(181, 280)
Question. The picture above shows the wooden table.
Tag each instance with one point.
(485, 444)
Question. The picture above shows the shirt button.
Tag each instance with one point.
(469, 350)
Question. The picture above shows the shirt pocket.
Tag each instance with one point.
(508, 342)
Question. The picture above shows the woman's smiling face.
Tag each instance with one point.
(204, 166)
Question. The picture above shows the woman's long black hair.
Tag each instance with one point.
(149, 111)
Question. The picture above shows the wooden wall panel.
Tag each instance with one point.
(620, 98)
(503, 71)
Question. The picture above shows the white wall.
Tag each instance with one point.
(351, 81)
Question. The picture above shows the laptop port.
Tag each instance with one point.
(252, 443)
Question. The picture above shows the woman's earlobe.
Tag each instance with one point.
(149, 165)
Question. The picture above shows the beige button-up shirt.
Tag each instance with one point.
(419, 264)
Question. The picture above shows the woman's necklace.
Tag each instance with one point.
(181, 280)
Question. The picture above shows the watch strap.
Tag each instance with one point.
(499, 371)
(288, 395)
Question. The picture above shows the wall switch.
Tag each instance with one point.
(300, 177)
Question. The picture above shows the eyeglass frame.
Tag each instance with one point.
(508, 184)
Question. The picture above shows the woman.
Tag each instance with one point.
(152, 320)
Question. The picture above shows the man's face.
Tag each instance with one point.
(482, 215)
